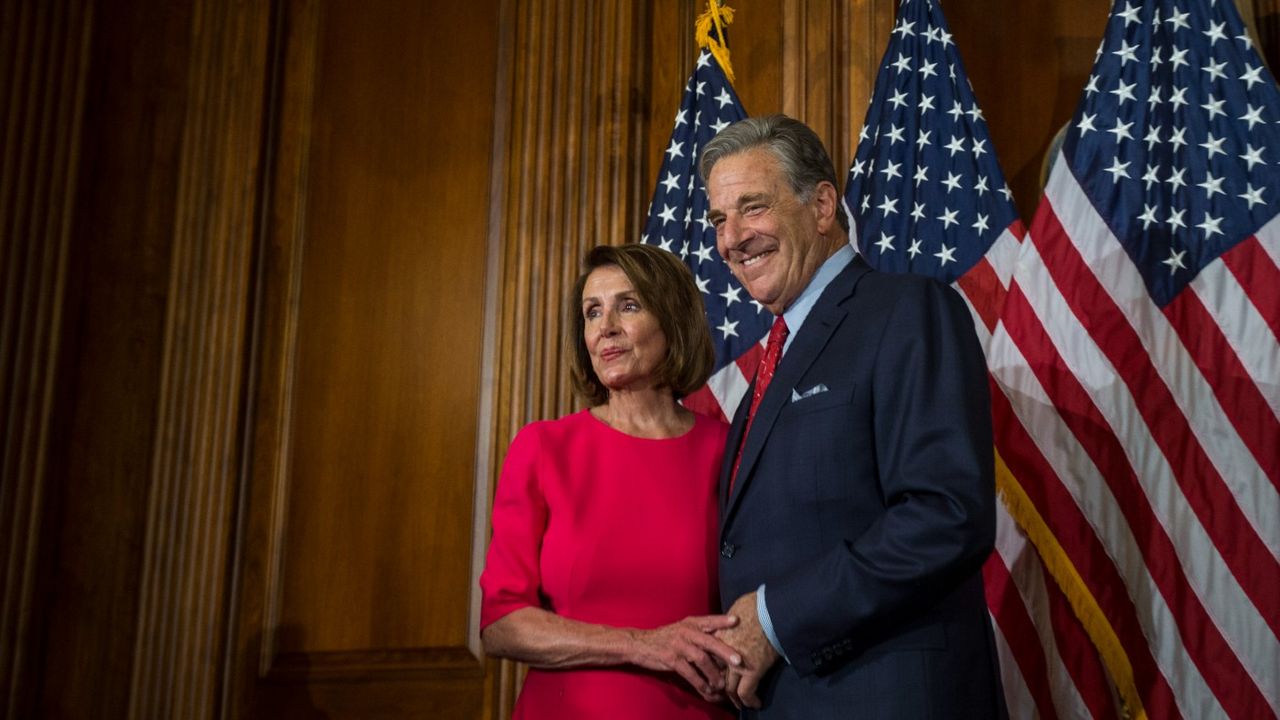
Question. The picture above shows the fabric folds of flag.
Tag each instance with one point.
(1139, 361)
(677, 222)
(925, 194)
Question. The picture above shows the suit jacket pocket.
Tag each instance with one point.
(821, 401)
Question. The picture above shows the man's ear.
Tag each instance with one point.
(824, 206)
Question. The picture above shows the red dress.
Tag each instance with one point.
(599, 526)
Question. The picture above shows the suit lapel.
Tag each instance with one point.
(826, 316)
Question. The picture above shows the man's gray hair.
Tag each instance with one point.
(799, 150)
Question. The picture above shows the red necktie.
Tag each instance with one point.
(764, 374)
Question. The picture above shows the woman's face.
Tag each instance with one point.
(623, 338)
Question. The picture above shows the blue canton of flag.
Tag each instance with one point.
(925, 193)
(678, 223)
(1175, 138)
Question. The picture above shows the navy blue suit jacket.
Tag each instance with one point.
(865, 502)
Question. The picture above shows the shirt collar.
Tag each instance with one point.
(798, 311)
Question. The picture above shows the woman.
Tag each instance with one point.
(602, 568)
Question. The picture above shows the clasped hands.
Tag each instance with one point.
(719, 655)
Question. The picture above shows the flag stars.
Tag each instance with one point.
(1244, 38)
(1174, 260)
(1148, 216)
(728, 328)
(981, 185)
(1216, 32)
(1215, 70)
(724, 98)
(895, 134)
(923, 141)
(899, 99)
(1179, 20)
(904, 28)
(1176, 180)
(1209, 226)
(719, 125)
(1152, 137)
(1211, 185)
(926, 103)
(859, 167)
(668, 214)
(952, 182)
(1175, 219)
(1092, 86)
(1154, 98)
(1086, 124)
(888, 206)
(980, 224)
(1178, 138)
(1121, 130)
(1251, 76)
(1124, 91)
(703, 253)
(914, 250)
(672, 183)
(1254, 116)
(1126, 53)
(948, 218)
(680, 116)
(885, 243)
(676, 150)
(922, 174)
(979, 147)
(1214, 108)
(890, 170)
(945, 255)
(1251, 195)
(702, 282)
(917, 211)
(1178, 98)
(1213, 145)
(1130, 14)
(1253, 156)
(927, 69)
(1150, 177)
(956, 145)
(730, 294)
(975, 113)
(1179, 58)
(1118, 170)
(956, 111)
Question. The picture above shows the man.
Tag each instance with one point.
(857, 489)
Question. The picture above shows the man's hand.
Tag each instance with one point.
(758, 655)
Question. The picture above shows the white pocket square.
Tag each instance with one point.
(815, 390)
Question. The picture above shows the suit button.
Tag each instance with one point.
(727, 549)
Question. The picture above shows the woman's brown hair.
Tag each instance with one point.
(667, 289)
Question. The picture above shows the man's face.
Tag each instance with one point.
(772, 240)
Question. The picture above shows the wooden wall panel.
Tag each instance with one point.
(360, 515)
(1028, 63)
(44, 52)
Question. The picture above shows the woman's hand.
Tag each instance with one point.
(689, 649)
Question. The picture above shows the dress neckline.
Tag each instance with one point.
(627, 435)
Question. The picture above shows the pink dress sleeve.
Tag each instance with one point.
(511, 577)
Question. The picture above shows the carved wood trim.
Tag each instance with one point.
(195, 467)
(288, 101)
(572, 174)
(44, 52)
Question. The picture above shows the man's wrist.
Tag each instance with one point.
(766, 623)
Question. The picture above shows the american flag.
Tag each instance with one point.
(678, 222)
(1138, 357)
(926, 195)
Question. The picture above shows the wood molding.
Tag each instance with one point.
(255, 601)
(572, 181)
(44, 52)
(197, 451)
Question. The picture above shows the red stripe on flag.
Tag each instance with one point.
(1241, 401)
(1019, 632)
(704, 402)
(1221, 668)
(1248, 558)
(1074, 534)
(982, 287)
(748, 361)
(1259, 277)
